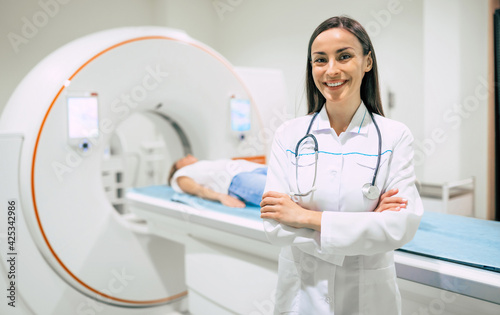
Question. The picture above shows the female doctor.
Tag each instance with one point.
(340, 194)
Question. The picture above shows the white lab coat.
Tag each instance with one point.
(348, 267)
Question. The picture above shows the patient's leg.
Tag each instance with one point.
(249, 186)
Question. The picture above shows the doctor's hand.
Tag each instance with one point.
(388, 202)
(281, 208)
(230, 201)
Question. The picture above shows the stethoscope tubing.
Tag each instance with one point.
(316, 150)
(379, 148)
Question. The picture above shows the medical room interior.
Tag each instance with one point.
(89, 223)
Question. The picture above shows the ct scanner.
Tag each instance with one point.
(75, 254)
(67, 244)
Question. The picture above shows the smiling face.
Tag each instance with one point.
(339, 65)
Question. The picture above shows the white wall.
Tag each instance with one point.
(59, 23)
(441, 88)
(196, 17)
(474, 97)
(454, 145)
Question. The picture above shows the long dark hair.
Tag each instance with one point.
(370, 92)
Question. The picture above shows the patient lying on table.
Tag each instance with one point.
(231, 182)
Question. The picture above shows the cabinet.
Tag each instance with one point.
(456, 197)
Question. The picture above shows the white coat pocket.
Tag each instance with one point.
(369, 162)
(288, 290)
(379, 288)
(362, 168)
(368, 165)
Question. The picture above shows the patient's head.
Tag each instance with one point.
(185, 161)
(180, 163)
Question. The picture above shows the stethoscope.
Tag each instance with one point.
(369, 190)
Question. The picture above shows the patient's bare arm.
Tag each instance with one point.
(188, 185)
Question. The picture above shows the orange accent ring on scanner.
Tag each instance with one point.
(146, 302)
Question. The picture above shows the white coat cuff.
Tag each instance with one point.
(325, 236)
(327, 233)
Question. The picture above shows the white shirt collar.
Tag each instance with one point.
(359, 122)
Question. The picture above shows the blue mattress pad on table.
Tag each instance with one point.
(470, 241)
(167, 193)
(458, 239)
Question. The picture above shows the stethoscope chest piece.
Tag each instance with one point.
(371, 191)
